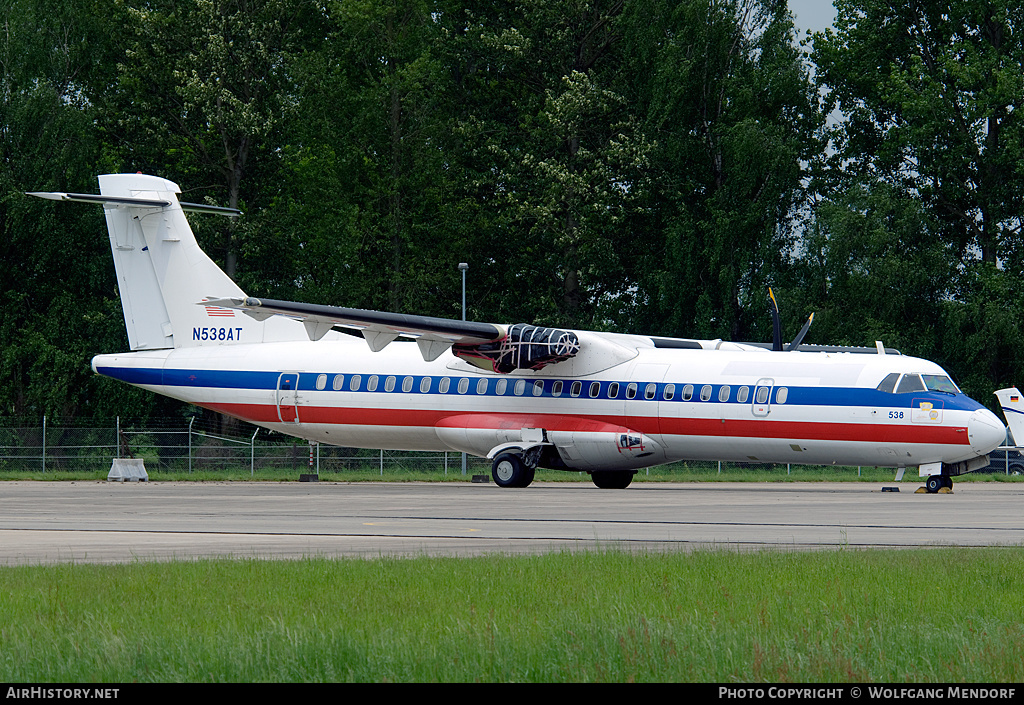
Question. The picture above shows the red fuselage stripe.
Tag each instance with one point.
(728, 428)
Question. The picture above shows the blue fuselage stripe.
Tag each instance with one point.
(268, 381)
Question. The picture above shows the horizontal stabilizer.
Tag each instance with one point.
(132, 201)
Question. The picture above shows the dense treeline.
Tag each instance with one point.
(641, 166)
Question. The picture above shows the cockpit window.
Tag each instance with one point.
(888, 384)
(939, 383)
(910, 383)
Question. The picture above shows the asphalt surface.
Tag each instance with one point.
(103, 522)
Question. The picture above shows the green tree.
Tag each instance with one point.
(57, 293)
(931, 96)
(551, 149)
(932, 93)
(730, 104)
(200, 86)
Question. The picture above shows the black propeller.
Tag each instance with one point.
(777, 328)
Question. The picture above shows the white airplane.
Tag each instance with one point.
(520, 395)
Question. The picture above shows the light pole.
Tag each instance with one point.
(463, 267)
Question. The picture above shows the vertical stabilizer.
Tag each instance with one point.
(1013, 409)
(164, 278)
(162, 274)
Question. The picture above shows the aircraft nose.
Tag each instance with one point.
(985, 431)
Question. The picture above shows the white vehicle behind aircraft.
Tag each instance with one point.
(521, 395)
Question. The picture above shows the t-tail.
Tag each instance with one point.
(1012, 403)
(163, 276)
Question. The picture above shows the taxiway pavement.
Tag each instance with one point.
(102, 522)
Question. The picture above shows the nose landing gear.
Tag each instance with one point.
(936, 483)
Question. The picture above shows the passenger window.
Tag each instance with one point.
(910, 383)
(761, 396)
(425, 385)
(742, 394)
(631, 390)
(688, 392)
(670, 391)
(481, 386)
(538, 387)
(575, 389)
(445, 385)
(520, 387)
(723, 392)
(389, 384)
(354, 382)
(407, 384)
(371, 383)
(501, 386)
(782, 395)
(556, 388)
(650, 391)
(321, 381)
(705, 392)
(888, 384)
(595, 389)
(613, 390)
(463, 385)
(339, 382)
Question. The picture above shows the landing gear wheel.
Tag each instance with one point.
(509, 470)
(934, 483)
(613, 479)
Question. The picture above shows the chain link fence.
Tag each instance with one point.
(196, 444)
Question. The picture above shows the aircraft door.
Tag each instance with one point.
(642, 404)
(762, 398)
(288, 397)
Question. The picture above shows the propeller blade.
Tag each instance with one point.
(776, 325)
(795, 345)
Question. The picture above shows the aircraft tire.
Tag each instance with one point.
(509, 470)
(613, 479)
(934, 483)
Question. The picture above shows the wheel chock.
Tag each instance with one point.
(920, 490)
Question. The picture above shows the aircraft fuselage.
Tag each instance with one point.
(659, 406)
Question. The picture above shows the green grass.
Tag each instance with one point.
(713, 616)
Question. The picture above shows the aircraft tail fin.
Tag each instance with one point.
(1012, 403)
(163, 276)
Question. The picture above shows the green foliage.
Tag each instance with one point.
(643, 167)
(917, 240)
(734, 115)
(933, 94)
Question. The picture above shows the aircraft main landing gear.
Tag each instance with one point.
(510, 470)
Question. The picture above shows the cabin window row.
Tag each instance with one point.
(633, 390)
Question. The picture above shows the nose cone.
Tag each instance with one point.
(985, 431)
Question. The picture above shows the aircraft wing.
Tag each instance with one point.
(378, 328)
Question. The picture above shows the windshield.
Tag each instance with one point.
(939, 383)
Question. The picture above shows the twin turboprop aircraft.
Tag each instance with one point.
(521, 395)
